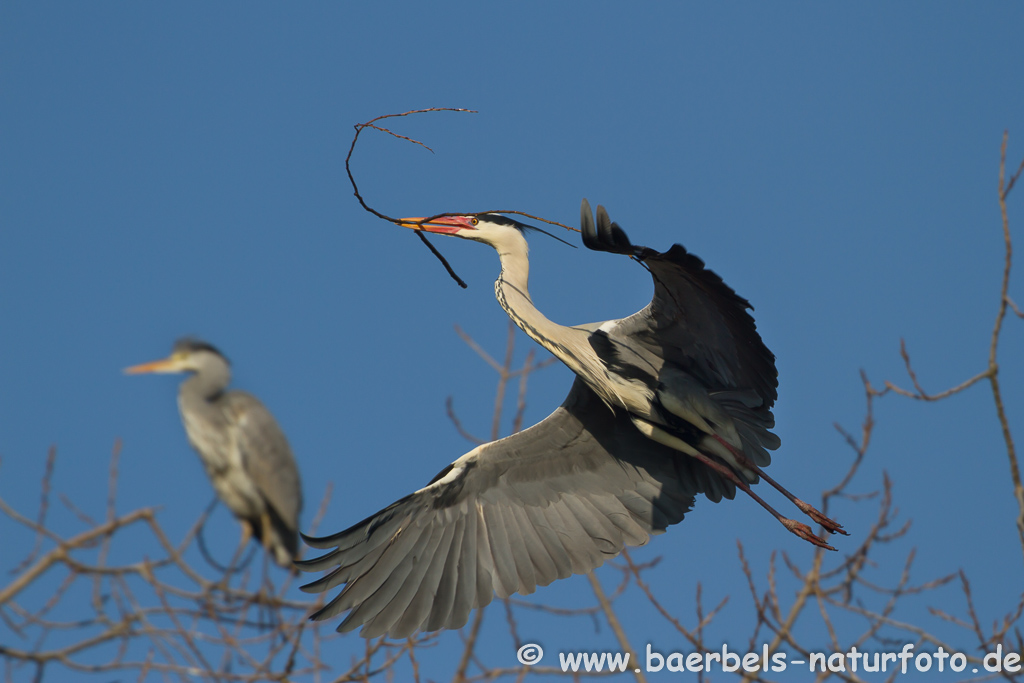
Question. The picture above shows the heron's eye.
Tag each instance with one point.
(474, 220)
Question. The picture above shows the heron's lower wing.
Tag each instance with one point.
(557, 499)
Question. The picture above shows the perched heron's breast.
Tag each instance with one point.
(207, 435)
(213, 437)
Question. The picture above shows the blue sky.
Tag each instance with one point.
(172, 170)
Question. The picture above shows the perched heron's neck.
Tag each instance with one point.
(206, 384)
(512, 291)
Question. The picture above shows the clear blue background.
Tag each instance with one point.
(178, 169)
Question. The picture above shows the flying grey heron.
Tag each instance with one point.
(244, 451)
(670, 402)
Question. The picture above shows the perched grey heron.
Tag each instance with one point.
(244, 451)
(670, 402)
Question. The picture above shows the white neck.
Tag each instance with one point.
(513, 294)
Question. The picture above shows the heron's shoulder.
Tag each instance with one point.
(240, 400)
(242, 407)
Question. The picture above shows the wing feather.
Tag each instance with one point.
(465, 592)
(447, 587)
(549, 540)
(399, 608)
(373, 610)
(501, 551)
(540, 561)
(527, 581)
(485, 572)
(426, 595)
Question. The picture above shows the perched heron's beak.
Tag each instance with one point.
(445, 225)
(167, 365)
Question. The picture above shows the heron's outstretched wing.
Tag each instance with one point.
(695, 321)
(556, 499)
(268, 460)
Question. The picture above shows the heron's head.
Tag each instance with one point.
(188, 355)
(490, 228)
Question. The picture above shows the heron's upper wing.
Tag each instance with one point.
(556, 499)
(266, 456)
(695, 321)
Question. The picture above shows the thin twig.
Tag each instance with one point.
(44, 506)
(616, 625)
(449, 407)
(1004, 191)
(360, 127)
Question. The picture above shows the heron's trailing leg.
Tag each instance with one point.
(243, 542)
(663, 437)
(830, 525)
(246, 536)
(798, 528)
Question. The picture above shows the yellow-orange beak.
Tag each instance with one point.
(167, 365)
(445, 225)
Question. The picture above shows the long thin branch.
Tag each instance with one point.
(1004, 423)
(919, 393)
(613, 621)
(991, 371)
(44, 506)
(60, 553)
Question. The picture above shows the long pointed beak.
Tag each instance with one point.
(445, 225)
(167, 365)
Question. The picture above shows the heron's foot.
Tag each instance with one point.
(804, 532)
(831, 526)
